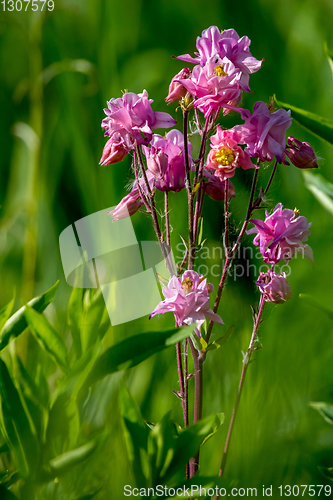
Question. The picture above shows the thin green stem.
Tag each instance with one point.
(232, 252)
(198, 397)
(246, 362)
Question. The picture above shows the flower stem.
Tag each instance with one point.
(167, 222)
(142, 196)
(226, 220)
(189, 193)
(246, 362)
(230, 255)
(198, 395)
(164, 249)
(271, 178)
(186, 422)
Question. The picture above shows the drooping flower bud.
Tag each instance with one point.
(114, 150)
(274, 287)
(301, 154)
(176, 89)
(215, 188)
(127, 207)
(157, 161)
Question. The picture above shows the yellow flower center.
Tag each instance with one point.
(219, 70)
(187, 285)
(296, 212)
(224, 156)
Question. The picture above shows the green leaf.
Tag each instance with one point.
(47, 337)
(6, 312)
(91, 321)
(188, 444)
(321, 189)
(218, 422)
(37, 408)
(325, 410)
(89, 497)
(316, 304)
(132, 351)
(317, 125)
(222, 340)
(75, 312)
(8, 478)
(66, 461)
(327, 472)
(329, 56)
(6, 494)
(16, 424)
(200, 230)
(17, 323)
(161, 444)
(135, 434)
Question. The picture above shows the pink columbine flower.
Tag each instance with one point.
(274, 287)
(215, 85)
(116, 148)
(226, 44)
(172, 146)
(176, 89)
(131, 203)
(133, 114)
(281, 235)
(215, 188)
(188, 298)
(157, 162)
(225, 154)
(301, 154)
(265, 132)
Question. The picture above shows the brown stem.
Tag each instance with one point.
(226, 220)
(141, 194)
(186, 422)
(167, 222)
(232, 252)
(189, 194)
(165, 250)
(271, 178)
(198, 204)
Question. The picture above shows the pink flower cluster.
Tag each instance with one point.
(265, 132)
(166, 161)
(281, 235)
(223, 65)
(188, 298)
(129, 121)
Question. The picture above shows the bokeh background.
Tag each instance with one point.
(56, 73)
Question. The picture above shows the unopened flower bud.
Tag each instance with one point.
(301, 154)
(157, 162)
(176, 89)
(274, 287)
(114, 150)
(127, 207)
(215, 188)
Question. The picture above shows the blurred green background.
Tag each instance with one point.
(56, 73)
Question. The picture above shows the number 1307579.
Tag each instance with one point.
(25, 5)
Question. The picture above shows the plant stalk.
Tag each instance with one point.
(246, 362)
